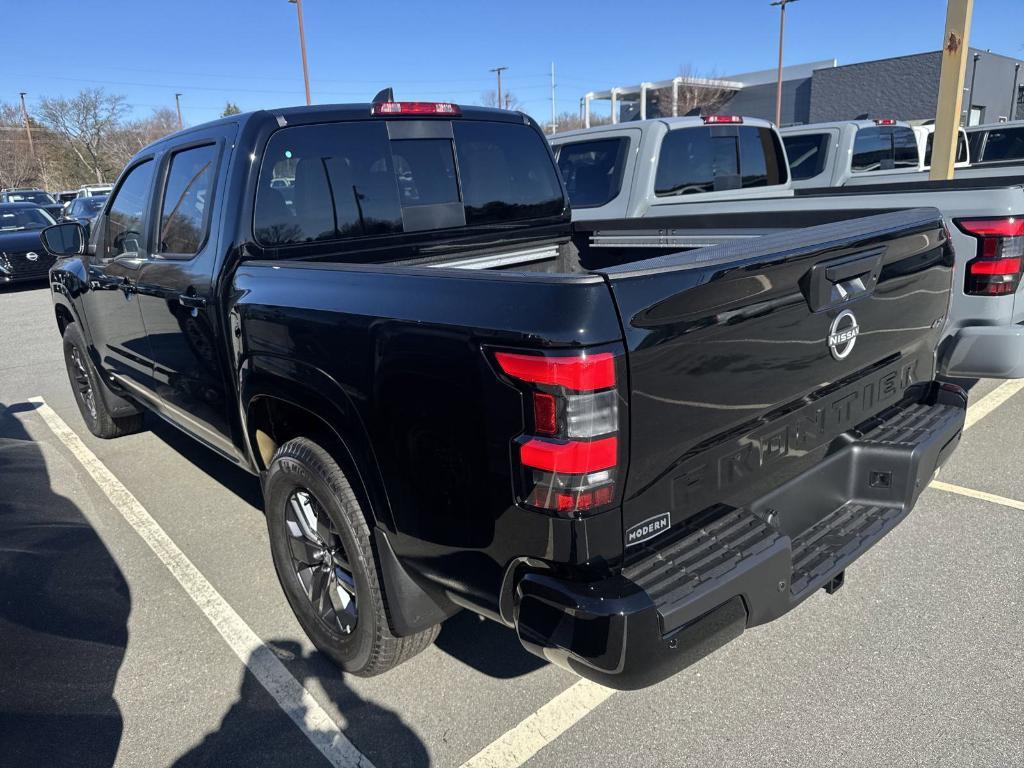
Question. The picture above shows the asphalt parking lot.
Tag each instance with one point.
(121, 648)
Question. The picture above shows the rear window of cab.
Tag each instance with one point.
(342, 180)
(717, 158)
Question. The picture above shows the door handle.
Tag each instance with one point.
(191, 301)
(831, 284)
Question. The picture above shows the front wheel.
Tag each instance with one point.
(86, 384)
(325, 562)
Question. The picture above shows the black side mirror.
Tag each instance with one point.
(67, 239)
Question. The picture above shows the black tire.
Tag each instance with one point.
(304, 476)
(88, 389)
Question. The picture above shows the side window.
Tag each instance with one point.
(592, 170)
(321, 182)
(186, 200)
(124, 231)
(1004, 144)
(807, 154)
(904, 145)
(872, 150)
(961, 148)
(506, 173)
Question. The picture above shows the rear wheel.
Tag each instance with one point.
(86, 384)
(325, 561)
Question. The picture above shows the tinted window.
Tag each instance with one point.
(186, 198)
(716, 158)
(327, 181)
(884, 148)
(39, 198)
(592, 170)
(1004, 144)
(904, 144)
(125, 222)
(961, 149)
(506, 173)
(807, 154)
(425, 169)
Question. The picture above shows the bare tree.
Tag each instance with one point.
(17, 167)
(571, 121)
(490, 99)
(84, 124)
(693, 94)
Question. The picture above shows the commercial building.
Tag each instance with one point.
(902, 87)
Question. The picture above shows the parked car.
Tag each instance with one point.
(997, 142)
(66, 196)
(849, 152)
(22, 254)
(85, 209)
(449, 406)
(36, 197)
(91, 190)
(925, 135)
(982, 209)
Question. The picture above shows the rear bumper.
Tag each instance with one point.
(984, 351)
(742, 567)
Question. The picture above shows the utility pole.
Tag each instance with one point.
(177, 103)
(554, 122)
(951, 87)
(28, 129)
(302, 46)
(782, 29)
(498, 71)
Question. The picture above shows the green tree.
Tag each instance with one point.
(230, 108)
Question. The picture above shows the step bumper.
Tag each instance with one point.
(743, 567)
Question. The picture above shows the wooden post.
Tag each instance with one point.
(951, 87)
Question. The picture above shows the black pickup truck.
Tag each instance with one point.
(379, 309)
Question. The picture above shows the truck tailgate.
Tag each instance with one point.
(748, 360)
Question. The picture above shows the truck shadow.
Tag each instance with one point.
(64, 607)
(251, 732)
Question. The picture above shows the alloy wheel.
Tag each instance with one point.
(320, 562)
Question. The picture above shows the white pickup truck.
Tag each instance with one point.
(925, 135)
(677, 201)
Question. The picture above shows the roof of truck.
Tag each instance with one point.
(811, 127)
(339, 113)
(991, 126)
(673, 123)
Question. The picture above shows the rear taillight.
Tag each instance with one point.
(996, 269)
(722, 119)
(415, 108)
(569, 457)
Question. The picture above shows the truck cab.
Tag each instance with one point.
(650, 167)
(925, 135)
(998, 143)
(850, 152)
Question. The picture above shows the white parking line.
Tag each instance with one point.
(992, 400)
(959, 489)
(515, 747)
(264, 664)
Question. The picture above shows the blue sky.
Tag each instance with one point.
(247, 50)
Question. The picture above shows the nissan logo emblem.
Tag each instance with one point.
(32, 256)
(842, 335)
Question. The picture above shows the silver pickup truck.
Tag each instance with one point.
(665, 187)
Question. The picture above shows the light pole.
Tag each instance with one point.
(498, 71)
(177, 103)
(970, 99)
(28, 130)
(782, 29)
(302, 47)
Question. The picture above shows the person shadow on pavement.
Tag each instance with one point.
(64, 607)
(257, 732)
